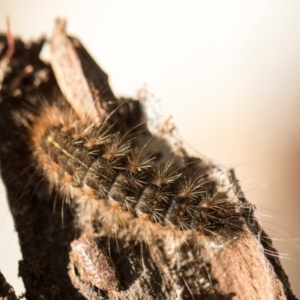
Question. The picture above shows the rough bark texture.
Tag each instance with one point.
(6, 290)
(132, 269)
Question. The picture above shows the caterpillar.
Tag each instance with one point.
(90, 164)
(123, 180)
(139, 203)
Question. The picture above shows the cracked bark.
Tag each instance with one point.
(49, 268)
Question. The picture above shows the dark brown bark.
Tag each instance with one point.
(129, 267)
(6, 290)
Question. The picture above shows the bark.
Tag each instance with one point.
(6, 290)
(56, 250)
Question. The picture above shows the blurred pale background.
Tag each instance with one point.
(227, 71)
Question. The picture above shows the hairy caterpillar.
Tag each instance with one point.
(118, 176)
(90, 164)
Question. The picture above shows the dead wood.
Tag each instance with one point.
(134, 269)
